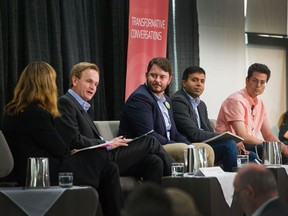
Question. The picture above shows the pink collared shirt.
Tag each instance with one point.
(240, 107)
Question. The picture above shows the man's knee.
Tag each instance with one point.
(231, 145)
(176, 151)
(154, 160)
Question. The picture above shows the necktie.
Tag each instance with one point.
(197, 116)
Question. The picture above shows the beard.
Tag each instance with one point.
(155, 88)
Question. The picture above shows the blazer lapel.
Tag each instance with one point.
(85, 114)
(192, 111)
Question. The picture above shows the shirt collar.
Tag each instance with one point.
(251, 101)
(84, 104)
(195, 101)
(162, 99)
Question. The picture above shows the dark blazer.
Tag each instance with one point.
(75, 125)
(31, 133)
(185, 118)
(276, 207)
(141, 114)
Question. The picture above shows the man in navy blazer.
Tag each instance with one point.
(149, 108)
(78, 130)
(256, 191)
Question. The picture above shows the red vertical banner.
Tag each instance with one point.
(148, 23)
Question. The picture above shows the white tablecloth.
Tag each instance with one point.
(225, 179)
(286, 168)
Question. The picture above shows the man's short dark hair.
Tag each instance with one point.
(161, 62)
(191, 70)
(260, 68)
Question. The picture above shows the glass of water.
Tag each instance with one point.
(65, 179)
(177, 169)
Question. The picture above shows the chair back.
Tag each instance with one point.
(108, 129)
(6, 158)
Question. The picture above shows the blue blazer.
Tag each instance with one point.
(141, 114)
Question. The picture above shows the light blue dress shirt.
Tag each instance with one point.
(195, 102)
(161, 103)
(84, 104)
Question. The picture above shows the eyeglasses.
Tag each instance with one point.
(258, 82)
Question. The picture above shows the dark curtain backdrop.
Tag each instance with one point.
(65, 32)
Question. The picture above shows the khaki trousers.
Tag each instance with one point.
(176, 151)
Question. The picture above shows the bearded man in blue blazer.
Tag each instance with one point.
(149, 108)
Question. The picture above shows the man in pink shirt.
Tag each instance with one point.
(243, 113)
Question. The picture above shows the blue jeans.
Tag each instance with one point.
(226, 151)
(253, 157)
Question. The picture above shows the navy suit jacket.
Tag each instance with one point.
(75, 125)
(276, 207)
(185, 118)
(141, 114)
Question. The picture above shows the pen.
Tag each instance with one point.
(148, 132)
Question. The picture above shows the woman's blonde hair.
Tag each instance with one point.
(37, 84)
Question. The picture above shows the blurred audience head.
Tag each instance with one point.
(182, 203)
(254, 185)
(148, 199)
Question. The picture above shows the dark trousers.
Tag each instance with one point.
(94, 168)
(144, 158)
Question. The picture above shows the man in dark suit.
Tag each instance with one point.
(149, 108)
(144, 158)
(256, 191)
(191, 117)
